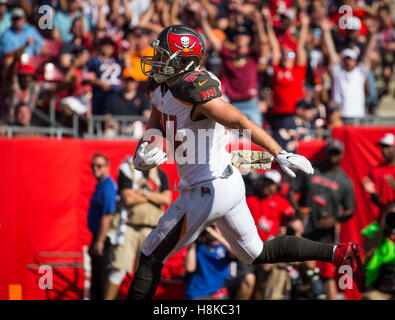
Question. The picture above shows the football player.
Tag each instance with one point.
(211, 189)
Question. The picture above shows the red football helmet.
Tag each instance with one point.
(178, 49)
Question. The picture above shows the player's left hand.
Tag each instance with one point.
(288, 160)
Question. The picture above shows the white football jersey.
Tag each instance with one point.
(199, 144)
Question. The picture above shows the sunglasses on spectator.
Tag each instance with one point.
(97, 165)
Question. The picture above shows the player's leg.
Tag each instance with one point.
(239, 229)
(180, 225)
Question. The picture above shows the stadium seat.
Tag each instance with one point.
(52, 47)
(36, 61)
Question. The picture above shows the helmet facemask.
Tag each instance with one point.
(163, 65)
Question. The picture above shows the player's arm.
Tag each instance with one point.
(230, 117)
(227, 115)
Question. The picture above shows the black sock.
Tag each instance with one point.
(145, 280)
(293, 249)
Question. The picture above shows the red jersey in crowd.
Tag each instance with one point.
(360, 13)
(276, 6)
(287, 88)
(378, 174)
(240, 82)
(269, 214)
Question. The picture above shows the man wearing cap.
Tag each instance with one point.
(19, 34)
(378, 183)
(268, 208)
(271, 212)
(348, 76)
(128, 101)
(326, 200)
(20, 85)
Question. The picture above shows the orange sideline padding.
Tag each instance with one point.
(46, 186)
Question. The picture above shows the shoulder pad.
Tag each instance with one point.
(196, 87)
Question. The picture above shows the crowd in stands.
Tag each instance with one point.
(294, 67)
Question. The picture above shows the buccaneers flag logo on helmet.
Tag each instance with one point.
(185, 44)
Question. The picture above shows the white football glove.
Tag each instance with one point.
(144, 161)
(289, 160)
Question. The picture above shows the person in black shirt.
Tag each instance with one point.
(128, 101)
(326, 200)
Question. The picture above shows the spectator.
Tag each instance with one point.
(115, 21)
(143, 197)
(207, 266)
(81, 38)
(286, 29)
(101, 210)
(378, 181)
(70, 91)
(23, 119)
(23, 115)
(137, 8)
(5, 16)
(240, 65)
(19, 34)
(328, 196)
(348, 75)
(19, 85)
(351, 38)
(306, 282)
(379, 246)
(128, 101)
(304, 120)
(92, 10)
(108, 71)
(269, 209)
(289, 71)
(139, 46)
(386, 46)
(283, 281)
(156, 17)
(64, 20)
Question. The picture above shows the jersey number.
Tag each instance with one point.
(166, 121)
(193, 76)
(111, 73)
